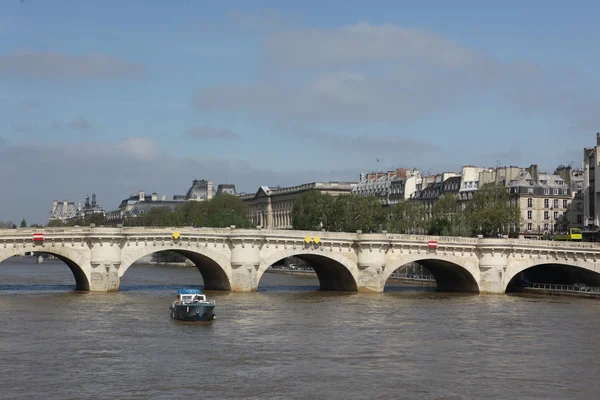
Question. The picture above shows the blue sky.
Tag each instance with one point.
(114, 97)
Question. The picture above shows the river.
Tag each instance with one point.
(287, 341)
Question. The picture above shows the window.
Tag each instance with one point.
(529, 214)
(546, 203)
(555, 215)
(565, 203)
(579, 218)
(546, 215)
(555, 203)
(530, 202)
(530, 227)
(554, 191)
(545, 227)
(530, 190)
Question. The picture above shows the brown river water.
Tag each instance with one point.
(287, 341)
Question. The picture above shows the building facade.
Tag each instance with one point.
(272, 207)
(591, 190)
(543, 199)
(66, 210)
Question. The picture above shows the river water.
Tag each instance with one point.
(287, 341)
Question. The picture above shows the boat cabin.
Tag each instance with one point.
(186, 296)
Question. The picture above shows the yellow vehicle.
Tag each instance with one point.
(573, 235)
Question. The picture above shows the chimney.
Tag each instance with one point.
(401, 173)
(533, 171)
(142, 196)
(598, 139)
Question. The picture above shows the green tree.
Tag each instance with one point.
(23, 223)
(55, 223)
(490, 212)
(447, 218)
(353, 212)
(310, 211)
(406, 217)
(226, 210)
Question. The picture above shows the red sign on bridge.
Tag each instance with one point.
(38, 237)
(432, 244)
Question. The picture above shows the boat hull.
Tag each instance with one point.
(193, 312)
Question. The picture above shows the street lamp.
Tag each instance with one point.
(551, 222)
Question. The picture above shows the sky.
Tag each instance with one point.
(114, 97)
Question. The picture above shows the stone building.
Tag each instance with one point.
(390, 187)
(226, 188)
(591, 187)
(448, 182)
(574, 179)
(66, 210)
(544, 200)
(63, 210)
(272, 207)
(200, 190)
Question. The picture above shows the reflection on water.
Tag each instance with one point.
(287, 341)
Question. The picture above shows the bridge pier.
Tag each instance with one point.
(371, 266)
(105, 260)
(492, 265)
(245, 260)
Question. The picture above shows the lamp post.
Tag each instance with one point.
(551, 222)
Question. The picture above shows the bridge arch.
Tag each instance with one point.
(451, 273)
(569, 270)
(74, 260)
(210, 263)
(335, 272)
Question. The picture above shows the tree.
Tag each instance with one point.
(23, 223)
(447, 218)
(406, 217)
(490, 212)
(6, 224)
(55, 223)
(311, 211)
(220, 212)
(353, 212)
(226, 210)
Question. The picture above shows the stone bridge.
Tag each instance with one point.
(236, 259)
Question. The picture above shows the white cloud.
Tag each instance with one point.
(366, 43)
(52, 65)
(32, 103)
(264, 20)
(80, 124)
(139, 148)
(387, 73)
(399, 146)
(208, 133)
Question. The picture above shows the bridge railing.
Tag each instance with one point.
(562, 288)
